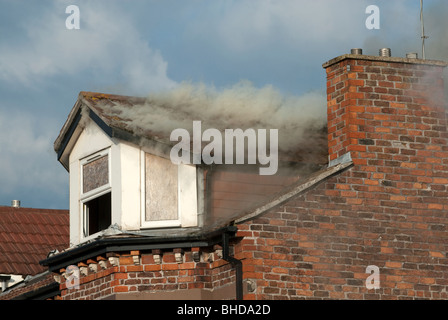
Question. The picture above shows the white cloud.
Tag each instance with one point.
(244, 25)
(306, 27)
(27, 159)
(108, 45)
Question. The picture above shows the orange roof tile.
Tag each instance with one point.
(27, 235)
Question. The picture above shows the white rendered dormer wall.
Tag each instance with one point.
(131, 175)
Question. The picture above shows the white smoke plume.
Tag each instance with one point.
(240, 106)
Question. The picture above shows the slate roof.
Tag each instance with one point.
(27, 235)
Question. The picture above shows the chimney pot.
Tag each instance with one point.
(385, 52)
(412, 55)
(15, 203)
(356, 51)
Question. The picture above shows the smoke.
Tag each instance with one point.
(241, 106)
(436, 27)
(299, 120)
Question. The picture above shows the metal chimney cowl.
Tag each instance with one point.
(385, 52)
(15, 203)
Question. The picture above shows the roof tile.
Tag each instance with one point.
(27, 235)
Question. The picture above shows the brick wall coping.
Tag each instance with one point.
(384, 59)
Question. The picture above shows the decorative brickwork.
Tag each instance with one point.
(138, 272)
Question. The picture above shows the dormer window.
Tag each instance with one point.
(123, 178)
(96, 192)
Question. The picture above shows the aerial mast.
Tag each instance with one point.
(423, 30)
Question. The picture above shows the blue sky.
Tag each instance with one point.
(137, 47)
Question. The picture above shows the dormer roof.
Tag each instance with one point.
(113, 114)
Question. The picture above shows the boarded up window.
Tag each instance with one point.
(161, 189)
(95, 174)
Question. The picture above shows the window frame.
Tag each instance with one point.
(86, 197)
(86, 213)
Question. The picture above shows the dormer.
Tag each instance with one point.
(118, 152)
(120, 179)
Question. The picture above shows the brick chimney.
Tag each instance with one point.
(387, 111)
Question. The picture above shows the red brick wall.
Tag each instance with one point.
(381, 107)
(389, 210)
(320, 244)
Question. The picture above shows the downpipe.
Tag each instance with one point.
(237, 264)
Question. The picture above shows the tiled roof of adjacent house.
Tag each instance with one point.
(27, 235)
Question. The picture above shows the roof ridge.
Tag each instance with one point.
(102, 95)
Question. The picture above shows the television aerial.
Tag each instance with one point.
(423, 36)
